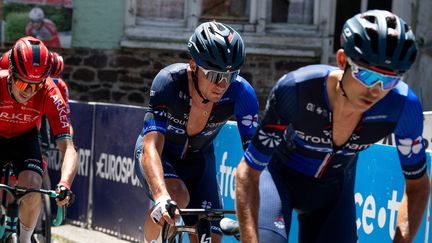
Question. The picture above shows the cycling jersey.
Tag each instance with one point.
(170, 104)
(47, 33)
(61, 84)
(45, 130)
(297, 127)
(191, 158)
(16, 118)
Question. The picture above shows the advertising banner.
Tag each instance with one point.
(119, 200)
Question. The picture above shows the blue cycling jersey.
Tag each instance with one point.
(169, 107)
(297, 127)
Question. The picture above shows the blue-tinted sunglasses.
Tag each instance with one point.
(369, 78)
(217, 77)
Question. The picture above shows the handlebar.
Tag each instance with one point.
(18, 193)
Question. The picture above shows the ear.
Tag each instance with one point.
(192, 65)
(341, 59)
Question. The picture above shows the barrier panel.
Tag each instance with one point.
(119, 200)
(111, 199)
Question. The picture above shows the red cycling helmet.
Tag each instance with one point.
(57, 64)
(30, 59)
(4, 61)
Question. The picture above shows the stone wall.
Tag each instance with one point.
(124, 76)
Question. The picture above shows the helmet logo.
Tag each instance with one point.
(387, 61)
(228, 67)
(347, 32)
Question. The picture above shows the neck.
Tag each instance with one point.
(338, 102)
(196, 98)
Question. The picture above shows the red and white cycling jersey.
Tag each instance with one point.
(47, 33)
(16, 118)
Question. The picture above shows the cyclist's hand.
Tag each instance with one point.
(159, 214)
(66, 197)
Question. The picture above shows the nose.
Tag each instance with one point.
(376, 89)
(223, 84)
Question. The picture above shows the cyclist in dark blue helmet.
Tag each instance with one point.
(318, 118)
(189, 104)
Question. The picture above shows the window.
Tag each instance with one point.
(226, 10)
(161, 9)
(292, 11)
(282, 27)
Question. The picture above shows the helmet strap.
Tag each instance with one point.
(195, 82)
(9, 84)
(341, 84)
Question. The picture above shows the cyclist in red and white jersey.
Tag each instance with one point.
(26, 94)
(42, 28)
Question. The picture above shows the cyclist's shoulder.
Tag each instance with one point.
(404, 93)
(311, 73)
(241, 85)
(170, 73)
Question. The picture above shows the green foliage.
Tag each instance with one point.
(15, 26)
(62, 17)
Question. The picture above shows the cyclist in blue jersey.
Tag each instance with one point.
(318, 118)
(189, 104)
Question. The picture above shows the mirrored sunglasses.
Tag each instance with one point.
(23, 85)
(369, 78)
(217, 77)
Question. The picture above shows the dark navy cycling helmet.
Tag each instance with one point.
(379, 39)
(216, 46)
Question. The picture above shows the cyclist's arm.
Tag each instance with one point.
(151, 163)
(412, 208)
(280, 109)
(69, 164)
(155, 123)
(246, 112)
(247, 201)
(411, 151)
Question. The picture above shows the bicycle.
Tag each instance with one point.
(9, 220)
(173, 234)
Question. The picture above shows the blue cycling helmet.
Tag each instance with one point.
(216, 46)
(379, 39)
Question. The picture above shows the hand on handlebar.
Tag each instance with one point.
(165, 210)
(66, 197)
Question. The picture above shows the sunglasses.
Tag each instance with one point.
(369, 78)
(23, 85)
(217, 77)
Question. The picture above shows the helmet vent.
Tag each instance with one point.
(392, 42)
(391, 22)
(220, 27)
(370, 18)
(357, 40)
(199, 46)
(405, 48)
(373, 36)
(235, 50)
(203, 35)
(221, 51)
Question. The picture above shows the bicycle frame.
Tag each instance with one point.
(202, 229)
(9, 210)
